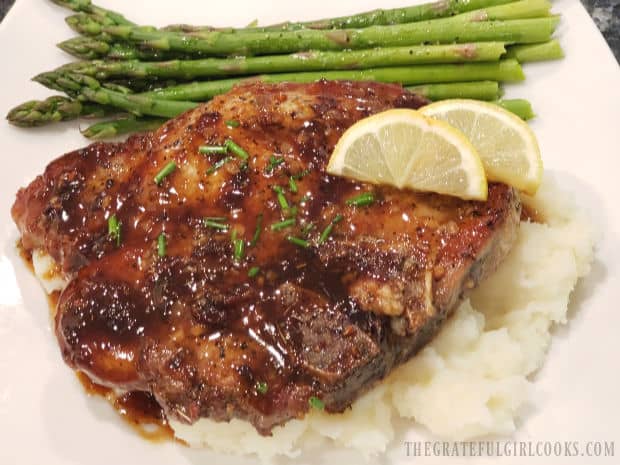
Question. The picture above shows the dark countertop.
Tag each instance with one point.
(606, 14)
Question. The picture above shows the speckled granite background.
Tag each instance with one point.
(606, 14)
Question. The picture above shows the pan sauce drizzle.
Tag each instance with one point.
(139, 409)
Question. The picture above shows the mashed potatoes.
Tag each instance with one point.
(472, 380)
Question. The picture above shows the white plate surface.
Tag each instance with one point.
(45, 418)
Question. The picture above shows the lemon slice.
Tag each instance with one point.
(507, 146)
(405, 149)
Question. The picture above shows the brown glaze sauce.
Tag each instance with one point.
(139, 409)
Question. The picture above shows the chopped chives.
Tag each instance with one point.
(218, 165)
(161, 245)
(215, 224)
(328, 230)
(239, 245)
(257, 230)
(283, 224)
(253, 271)
(297, 241)
(316, 403)
(231, 123)
(301, 174)
(166, 170)
(361, 200)
(292, 185)
(304, 199)
(217, 149)
(274, 162)
(262, 387)
(114, 229)
(281, 198)
(216, 218)
(236, 149)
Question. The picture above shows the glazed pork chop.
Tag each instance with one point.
(253, 309)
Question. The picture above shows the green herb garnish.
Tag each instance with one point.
(167, 170)
(361, 200)
(231, 123)
(239, 248)
(257, 230)
(281, 198)
(328, 230)
(253, 271)
(316, 403)
(274, 162)
(161, 245)
(283, 224)
(301, 174)
(262, 387)
(292, 185)
(213, 149)
(297, 241)
(216, 223)
(232, 146)
(218, 165)
(114, 230)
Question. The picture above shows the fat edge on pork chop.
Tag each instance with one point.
(313, 318)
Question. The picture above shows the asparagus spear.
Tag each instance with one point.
(87, 88)
(551, 50)
(411, 14)
(119, 127)
(261, 43)
(304, 61)
(54, 109)
(478, 90)
(416, 13)
(478, 10)
(518, 10)
(520, 107)
(89, 48)
(504, 70)
(85, 6)
(115, 128)
(91, 25)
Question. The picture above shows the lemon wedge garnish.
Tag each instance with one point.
(506, 144)
(405, 149)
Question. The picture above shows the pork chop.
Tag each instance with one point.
(244, 316)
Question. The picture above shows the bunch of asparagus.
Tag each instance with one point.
(142, 75)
